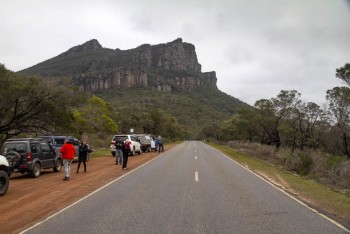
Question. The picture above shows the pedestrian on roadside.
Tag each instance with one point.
(126, 150)
(68, 153)
(83, 154)
(160, 144)
(118, 150)
(156, 143)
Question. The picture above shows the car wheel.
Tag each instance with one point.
(113, 153)
(13, 158)
(149, 149)
(132, 152)
(140, 151)
(58, 165)
(4, 182)
(36, 170)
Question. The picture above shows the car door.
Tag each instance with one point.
(34, 150)
(48, 158)
(135, 143)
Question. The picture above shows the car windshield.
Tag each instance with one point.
(18, 147)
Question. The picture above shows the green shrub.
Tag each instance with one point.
(305, 163)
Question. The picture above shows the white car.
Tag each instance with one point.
(4, 178)
(135, 146)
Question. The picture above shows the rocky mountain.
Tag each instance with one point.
(95, 69)
(166, 77)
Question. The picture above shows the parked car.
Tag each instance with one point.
(135, 145)
(145, 141)
(30, 155)
(58, 141)
(4, 178)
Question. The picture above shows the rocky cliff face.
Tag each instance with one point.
(95, 69)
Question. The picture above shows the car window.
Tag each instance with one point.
(133, 138)
(45, 147)
(59, 141)
(34, 148)
(123, 138)
(18, 147)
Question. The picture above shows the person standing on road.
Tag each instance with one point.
(126, 150)
(156, 143)
(83, 154)
(68, 153)
(160, 144)
(118, 151)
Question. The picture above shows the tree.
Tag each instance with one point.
(28, 105)
(243, 126)
(94, 116)
(268, 122)
(312, 114)
(339, 106)
(343, 73)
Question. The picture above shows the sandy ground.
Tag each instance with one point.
(30, 200)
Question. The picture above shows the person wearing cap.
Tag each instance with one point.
(67, 151)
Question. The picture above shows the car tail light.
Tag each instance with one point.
(29, 157)
(112, 143)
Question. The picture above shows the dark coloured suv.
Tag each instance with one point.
(30, 155)
(58, 141)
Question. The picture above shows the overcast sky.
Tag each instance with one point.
(256, 47)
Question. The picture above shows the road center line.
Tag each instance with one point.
(195, 157)
(196, 176)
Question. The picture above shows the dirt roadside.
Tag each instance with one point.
(30, 200)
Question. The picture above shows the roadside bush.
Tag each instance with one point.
(332, 170)
(304, 164)
(344, 176)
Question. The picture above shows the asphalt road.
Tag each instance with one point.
(191, 188)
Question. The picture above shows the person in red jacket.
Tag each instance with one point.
(68, 152)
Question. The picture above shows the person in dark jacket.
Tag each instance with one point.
(126, 150)
(160, 144)
(118, 151)
(84, 150)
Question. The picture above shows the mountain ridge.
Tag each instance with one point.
(138, 77)
(95, 69)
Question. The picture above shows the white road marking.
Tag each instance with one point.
(195, 157)
(196, 176)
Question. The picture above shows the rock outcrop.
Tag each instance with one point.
(95, 69)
